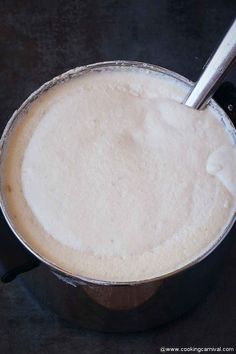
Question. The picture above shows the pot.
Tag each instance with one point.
(103, 305)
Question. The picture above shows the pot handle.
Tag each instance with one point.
(225, 96)
(14, 257)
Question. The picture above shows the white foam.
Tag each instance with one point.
(117, 168)
(220, 164)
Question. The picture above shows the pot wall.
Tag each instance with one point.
(128, 308)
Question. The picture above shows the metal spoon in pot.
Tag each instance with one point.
(216, 69)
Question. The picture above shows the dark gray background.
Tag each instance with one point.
(40, 39)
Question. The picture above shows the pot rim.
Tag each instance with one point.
(76, 72)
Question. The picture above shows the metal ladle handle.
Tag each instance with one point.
(215, 71)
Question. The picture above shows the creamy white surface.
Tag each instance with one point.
(120, 172)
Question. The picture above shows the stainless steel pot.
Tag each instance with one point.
(104, 305)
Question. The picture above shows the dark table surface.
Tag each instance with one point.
(40, 39)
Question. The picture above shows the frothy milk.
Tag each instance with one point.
(109, 176)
